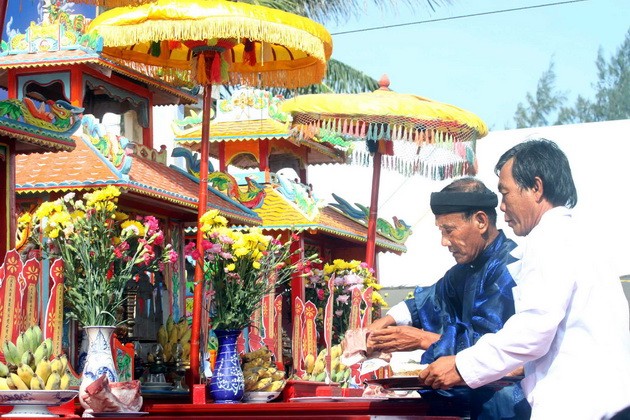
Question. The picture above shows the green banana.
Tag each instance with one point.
(41, 352)
(49, 347)
(28, 358)
(21, 344)
(37, 336)
(11, 353)
(4, 370)
(30, 340)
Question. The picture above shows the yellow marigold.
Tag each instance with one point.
(53, 233)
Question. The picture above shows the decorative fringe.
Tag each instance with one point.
(249, 53)
(113, 3)
(201, 74)
(288, 78)
(309, 37)
(416, 166)
(215, 69)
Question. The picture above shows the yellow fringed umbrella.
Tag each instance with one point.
(253, 44)
(214, 42)
(440, 136)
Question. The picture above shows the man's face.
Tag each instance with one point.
(519, 205)
(462, 237)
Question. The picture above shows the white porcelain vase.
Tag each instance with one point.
(99, 359)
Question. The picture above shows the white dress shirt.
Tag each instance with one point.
(570, 329)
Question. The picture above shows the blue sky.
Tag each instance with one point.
(485, 64)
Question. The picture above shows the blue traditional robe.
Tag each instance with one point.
(471, 300)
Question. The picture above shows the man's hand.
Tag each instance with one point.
(519, 371)
(381, 323)
(442, 374)
(401, 338)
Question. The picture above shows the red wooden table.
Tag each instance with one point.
(355, 409)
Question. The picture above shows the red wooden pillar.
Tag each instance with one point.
(297, 282)
(264, 151)
(370, 253)
(221, 156)
(298, 296)
(76, 86)
(5, 197)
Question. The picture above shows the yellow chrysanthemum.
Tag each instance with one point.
(230, 267)
(60, 218)
(377, 299)
(77, 215)
(133, 226)
(353, 264)
(120, 216)
(104, 195)
(25, 218)
(240, 251)
(47, 208)
(211, 219)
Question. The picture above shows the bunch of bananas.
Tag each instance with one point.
(316, 367)
(31, 365)
(169, 335)
(261, 373)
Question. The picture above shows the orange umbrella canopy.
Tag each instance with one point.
(254, 45)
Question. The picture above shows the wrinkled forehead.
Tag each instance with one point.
(450, 220)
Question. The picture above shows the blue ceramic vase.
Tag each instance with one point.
(227, 384)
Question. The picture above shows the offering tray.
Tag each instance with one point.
(408, 383)
(34, 403)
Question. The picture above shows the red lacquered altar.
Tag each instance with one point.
(304, 410)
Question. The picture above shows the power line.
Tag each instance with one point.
(494, 12)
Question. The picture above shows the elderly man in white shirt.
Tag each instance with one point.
(570, 329)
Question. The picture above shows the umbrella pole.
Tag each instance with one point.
(370, 253)
(203, 204)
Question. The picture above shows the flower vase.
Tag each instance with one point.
(227, 384)
(99, 359)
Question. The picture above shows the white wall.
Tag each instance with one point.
(599, 154)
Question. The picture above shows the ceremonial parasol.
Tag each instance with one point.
(214, 42)
(379, 118)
